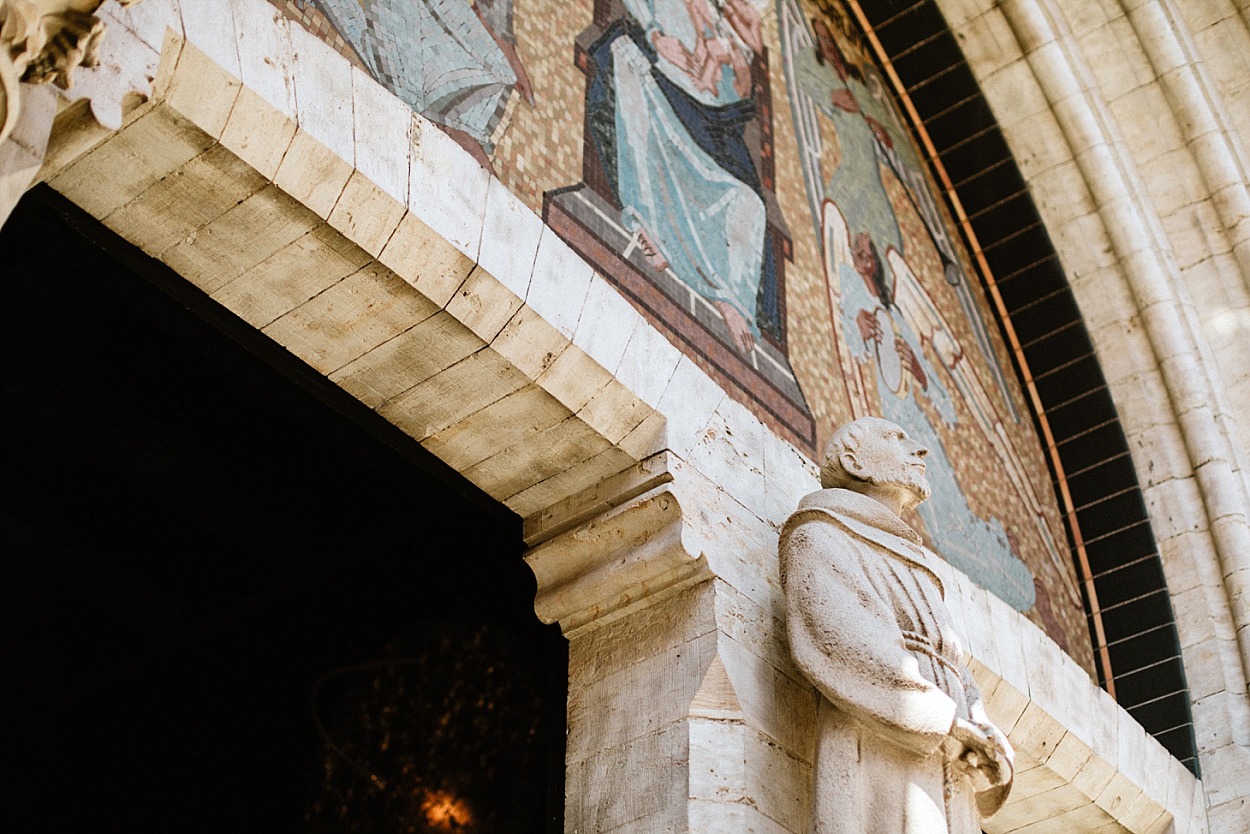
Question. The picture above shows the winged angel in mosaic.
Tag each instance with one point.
(902, 358)
(452, 61)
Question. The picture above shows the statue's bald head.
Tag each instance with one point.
(846, 439)
(871, 451)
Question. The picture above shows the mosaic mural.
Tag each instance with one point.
(677, 196)
(741, 171)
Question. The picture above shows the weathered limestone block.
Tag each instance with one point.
(634, 754)
(662, 697)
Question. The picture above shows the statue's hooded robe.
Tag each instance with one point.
(867, 624)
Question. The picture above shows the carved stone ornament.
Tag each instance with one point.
(43, 42)
(599, 555)
(903, 742)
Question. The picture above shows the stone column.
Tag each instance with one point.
(676, 722)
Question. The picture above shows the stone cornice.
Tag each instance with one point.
(602, 557)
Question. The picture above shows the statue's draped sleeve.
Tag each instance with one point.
(844, 635)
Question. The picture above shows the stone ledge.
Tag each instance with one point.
(603, 568)
(1083, 762)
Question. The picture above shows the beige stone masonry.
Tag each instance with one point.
(315, 206)
(337, 259)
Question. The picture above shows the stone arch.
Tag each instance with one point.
(1107, 110)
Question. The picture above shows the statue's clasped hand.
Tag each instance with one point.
(981, 752)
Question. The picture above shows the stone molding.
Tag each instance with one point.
(639, 546)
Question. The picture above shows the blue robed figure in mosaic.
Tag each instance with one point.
(670, 100)
(452, 61)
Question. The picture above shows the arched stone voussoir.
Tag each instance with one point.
(361, 251)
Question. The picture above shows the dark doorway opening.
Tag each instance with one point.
(235, 599)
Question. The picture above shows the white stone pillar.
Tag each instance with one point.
(682, 715)
(633, 597)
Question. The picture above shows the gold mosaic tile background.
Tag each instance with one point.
(539, 147)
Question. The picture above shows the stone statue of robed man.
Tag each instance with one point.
(904, 745)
